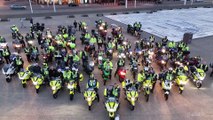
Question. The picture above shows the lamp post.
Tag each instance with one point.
(31, 6)
(126, 2)
(135, 4)
(54, 6)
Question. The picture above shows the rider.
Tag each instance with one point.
(19, 63)
(120, 63)
(45, 73)
(108, 65)
(112, 91)
(93, 83)
(77, 77)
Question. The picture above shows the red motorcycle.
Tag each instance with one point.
(121, 74)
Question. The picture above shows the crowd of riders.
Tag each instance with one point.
(61, 58)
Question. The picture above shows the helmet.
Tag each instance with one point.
(127, 80)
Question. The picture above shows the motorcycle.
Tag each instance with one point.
(138, 52)
(24, 76)
(100, 61)
(46, 57)
(109, 53)
(90, 96)
(88, 66)
(134, 69)
(55, 85)
(34, 56)
(8, 70)
(167, 86)
(198, 77)
(132, 96)
(3, 45)
(122, 74)
(37, 80)
(72, 86)
(181, 81)
(112, 106)
(17, 45)
(147, 87)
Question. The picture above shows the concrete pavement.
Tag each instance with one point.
(17, 103)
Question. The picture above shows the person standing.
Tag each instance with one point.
(22, 22)
(6, 54)
(75, 24)
(31, 21)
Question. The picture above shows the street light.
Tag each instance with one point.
(31, 6)
(54, 6)
(126, 4)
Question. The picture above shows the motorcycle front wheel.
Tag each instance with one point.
(24, 85)
(180, 91)
(71, 97)
(166, 96)
(8, 80)
(198, 84)
(37, 91)
(55, 95)
(89, 108)
(132, 107)
(147, 97)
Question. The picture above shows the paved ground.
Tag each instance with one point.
(17, 103)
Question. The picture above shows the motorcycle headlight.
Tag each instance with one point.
(49, 36)
(130, 53)
(3, 45)
(132, 99)
(35, 83)
(89, 98)
(70, 86)
(92, 63)
(163, 50)
(100, 58)
(123, 73)
(140, 52)
(163, 62)
(201, 77)
(183, 82)
(101, 28)
(18, 46)
(30, 42)
(124, 43)
(53, 87)
(110, 51)
(123, 55)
